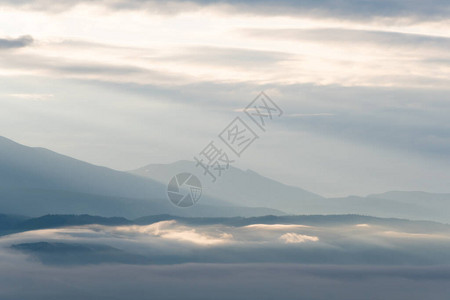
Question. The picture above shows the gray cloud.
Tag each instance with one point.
(330, 35)
(439, 9)
(20, 42)
(222, 282)
(239, 57)
(77, 68)
(409, 120)
(414, 121)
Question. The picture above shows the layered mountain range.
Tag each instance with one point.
(37, 181)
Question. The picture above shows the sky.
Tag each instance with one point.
(364, 85)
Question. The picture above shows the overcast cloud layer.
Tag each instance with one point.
(364, 85)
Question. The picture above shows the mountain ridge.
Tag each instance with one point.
(35, 181)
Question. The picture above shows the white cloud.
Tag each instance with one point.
(170, 230)
(32, 96)
(363, 225)
(295, 238)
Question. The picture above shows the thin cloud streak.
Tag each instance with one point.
(20, 42)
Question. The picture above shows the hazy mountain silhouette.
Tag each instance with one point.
(37, 181)
(52, 221)
(39, 168)
(251, 189)
(411, 205)
(10, 221)
(240, 187)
